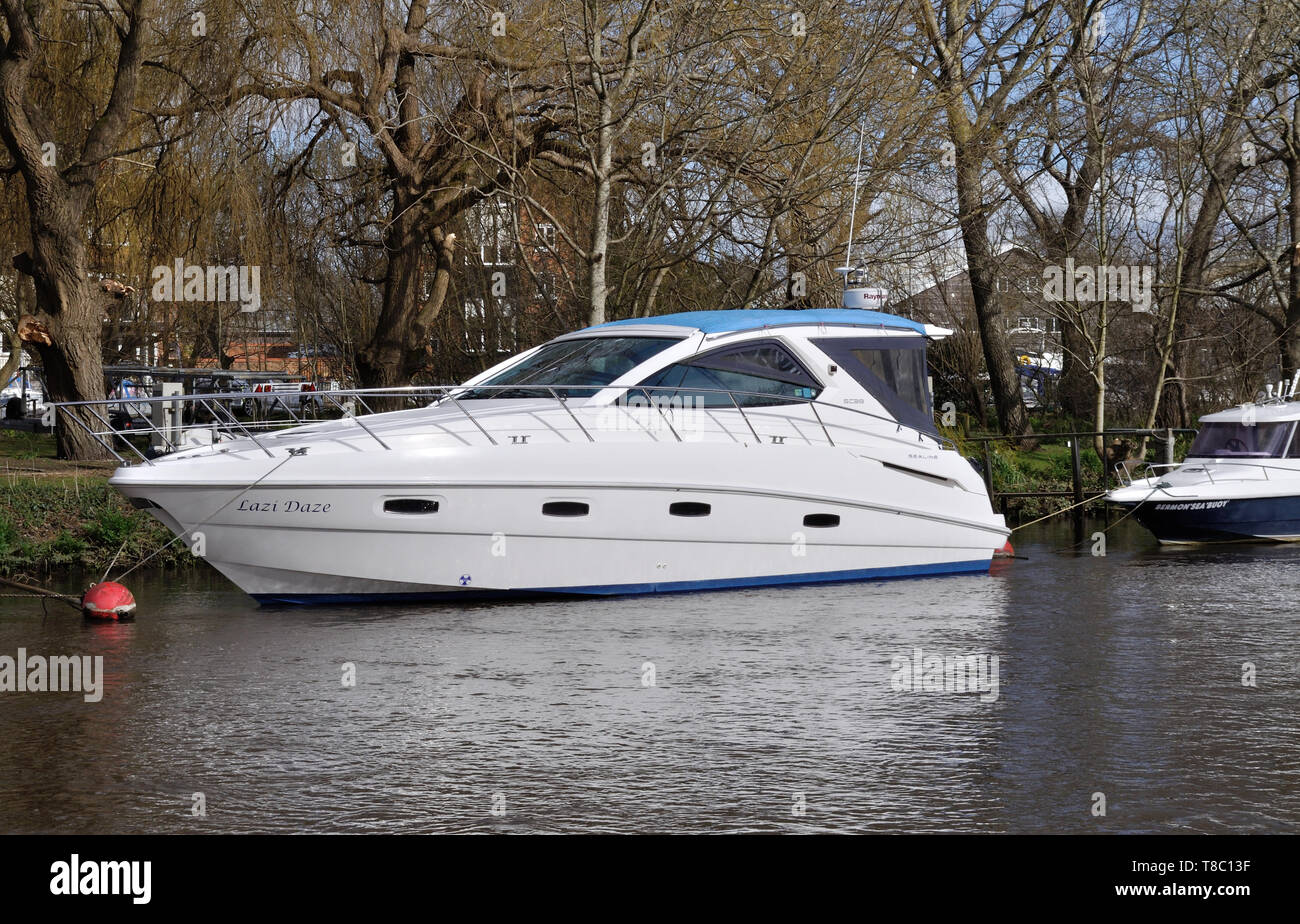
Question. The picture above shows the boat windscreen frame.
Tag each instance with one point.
(841, 351)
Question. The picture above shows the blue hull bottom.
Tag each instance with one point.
(609, 590)
(1258, 519)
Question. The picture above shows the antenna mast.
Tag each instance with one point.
(856, 292)
(853, 211)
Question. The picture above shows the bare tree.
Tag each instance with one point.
(983, 58)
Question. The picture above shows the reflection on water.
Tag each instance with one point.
(1119, 675)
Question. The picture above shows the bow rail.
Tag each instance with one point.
(176, 422)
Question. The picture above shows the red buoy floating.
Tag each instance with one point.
(1006, 551)
(109, 600)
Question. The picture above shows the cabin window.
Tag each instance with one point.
(758, 374)
(1237, 440)
(585, 361)
(1294, 451)
(892, 369)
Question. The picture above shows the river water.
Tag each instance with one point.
(751, 710)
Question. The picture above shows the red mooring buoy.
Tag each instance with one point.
(1006, 551)
(109, 600)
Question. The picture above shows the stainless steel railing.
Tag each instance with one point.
(1199, 465)
(112, 424)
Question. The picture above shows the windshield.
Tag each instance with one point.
(589, 361)
(1240, 441)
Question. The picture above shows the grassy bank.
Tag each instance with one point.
(1048, 466)
(60, 516)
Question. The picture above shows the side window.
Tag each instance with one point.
(763, 374)
(892, 369)
(903, 371)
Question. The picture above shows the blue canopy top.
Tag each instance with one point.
(717, 322)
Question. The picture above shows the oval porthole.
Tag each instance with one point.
(821, 520)
(410, 505)
(690, 509)
(565, 509)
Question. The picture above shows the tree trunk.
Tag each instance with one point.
(385, 361)
(598, 258)
(1291, 336)
(982, 269)
(400, 346)
(1173, 411)
(10, 332)
(68, 330)
(1099, 381)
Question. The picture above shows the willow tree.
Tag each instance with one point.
(445, 103)
(94, 54)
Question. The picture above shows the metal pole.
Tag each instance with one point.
(1169, 445)
(1077, 472)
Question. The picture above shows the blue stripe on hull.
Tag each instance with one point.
(1236, 520)
(604, 590)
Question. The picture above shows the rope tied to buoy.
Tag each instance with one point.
(105, 600)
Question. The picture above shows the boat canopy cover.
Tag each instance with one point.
(717, 322)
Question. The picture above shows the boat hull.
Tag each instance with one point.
(372, 592)
(1256, 519)
(493, 542)
(431, 521)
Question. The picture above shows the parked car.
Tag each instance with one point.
(309, 352)
(126, 408)
(15, 405)
(270, 397)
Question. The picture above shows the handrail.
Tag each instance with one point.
(222, 419)
(1154, 468)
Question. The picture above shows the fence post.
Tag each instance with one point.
(1078, 481)
(1169, 445)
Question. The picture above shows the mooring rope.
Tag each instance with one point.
(1088, 500)
(205, 520)
(120, 550)
(1108, 527)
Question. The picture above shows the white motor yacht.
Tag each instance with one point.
(1239, 482)
(689, 451)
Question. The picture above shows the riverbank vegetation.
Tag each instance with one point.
(58, 516)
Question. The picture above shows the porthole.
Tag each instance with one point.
(565, 509)
(821, 520)
(410, 505)
(690, 509)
